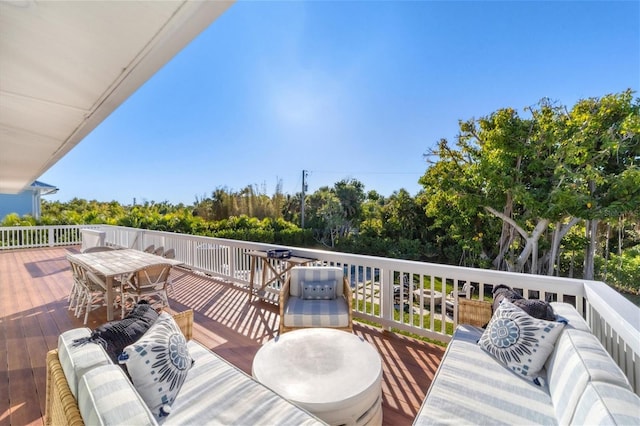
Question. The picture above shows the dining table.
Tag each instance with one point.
(117, 263)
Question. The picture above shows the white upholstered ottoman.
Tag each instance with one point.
(333, 374)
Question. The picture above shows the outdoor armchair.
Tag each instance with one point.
(316, 296)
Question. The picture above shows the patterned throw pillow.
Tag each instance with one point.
(519, 341)
(318, 290)
(158, 364)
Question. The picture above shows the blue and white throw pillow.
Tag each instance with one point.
(318, 290)
(519, 341)
(158, 364)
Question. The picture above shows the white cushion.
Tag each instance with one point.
(519, 341)
(472, 388)
(607, 404)
(158, 364)
(316, 313)
(579, 358)
(567, 313)
(107, 397)
(218, 393)
(77, 360)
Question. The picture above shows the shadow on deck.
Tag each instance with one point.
(34, 284)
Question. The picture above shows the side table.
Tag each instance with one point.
(333, 374)
(273, 269)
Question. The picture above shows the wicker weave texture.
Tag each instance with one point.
(474, 312)
(185, 322)
(61, 407)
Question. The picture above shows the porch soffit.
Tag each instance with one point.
(66, 65)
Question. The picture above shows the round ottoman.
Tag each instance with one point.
(333, 374)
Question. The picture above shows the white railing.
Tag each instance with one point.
(426, 311)
(14, 237)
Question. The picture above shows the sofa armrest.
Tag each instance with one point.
(185, 322)
(61, 408)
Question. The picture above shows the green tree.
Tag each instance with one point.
(602, 153)
(541, 176)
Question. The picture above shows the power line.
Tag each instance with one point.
(367, 173)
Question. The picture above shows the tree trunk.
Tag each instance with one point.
(531, 240)
(571, 265)
(592, 231)
(558, 234)
(620, 235)
(531, 247)
(506, 236)
(506, 239)
(534, 256)
(558, 263)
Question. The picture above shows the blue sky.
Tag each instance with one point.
(345, 90)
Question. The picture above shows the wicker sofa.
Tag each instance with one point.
(83, 387)
(583, 385)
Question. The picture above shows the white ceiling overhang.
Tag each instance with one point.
(66, 65)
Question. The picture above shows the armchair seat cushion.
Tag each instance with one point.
(316, 313)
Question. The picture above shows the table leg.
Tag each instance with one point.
(265, 265)
(252, 274)
(109, 298)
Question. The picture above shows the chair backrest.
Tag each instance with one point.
(159, 251)
(97, 249)
(151, 277)
(150, 248)
(170, 254)
(94, 282)
(315, 274)
(78, 273)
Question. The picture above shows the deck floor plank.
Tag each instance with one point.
(34, 284)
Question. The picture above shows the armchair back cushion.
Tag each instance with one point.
(313, 276)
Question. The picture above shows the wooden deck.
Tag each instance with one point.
(34, 284)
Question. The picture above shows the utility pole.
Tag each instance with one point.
(304, 189)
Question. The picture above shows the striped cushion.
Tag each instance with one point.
(607, 404)
(568, 312)
(471, 387)
(316, 313)
(217, 393)
(107, 397)
(77, 360)
(578, 359)
(315, 274)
